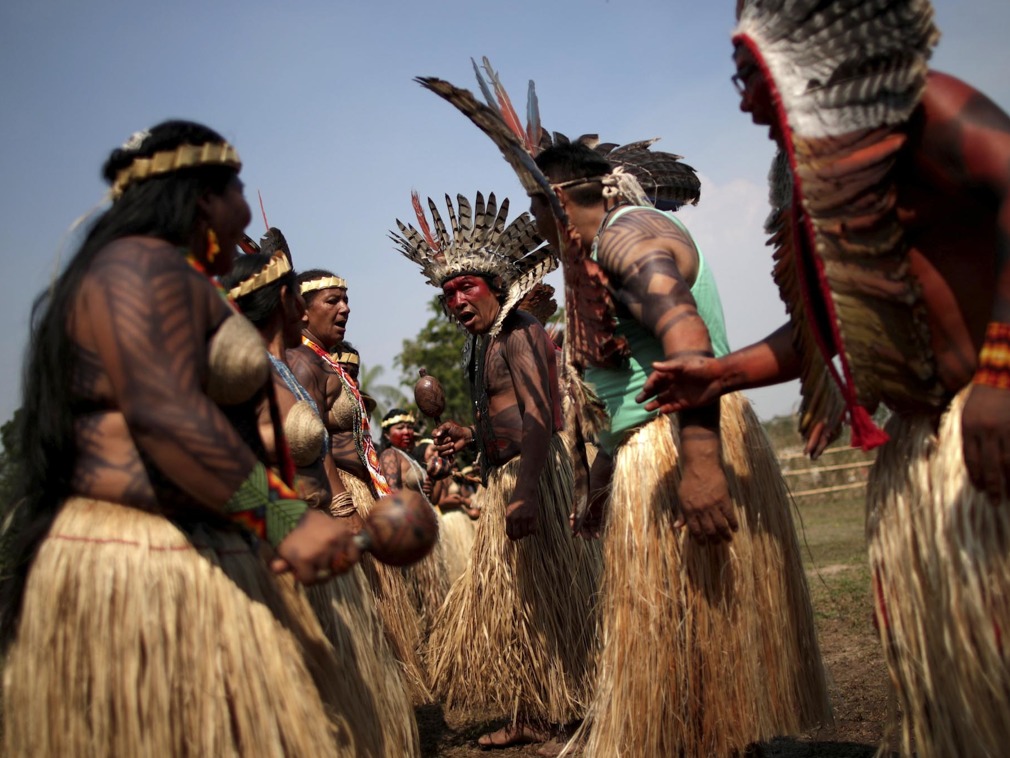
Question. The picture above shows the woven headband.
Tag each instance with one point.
(184, 156)
(402, 418)
(323, 283)
(278, 266)
(349, 358)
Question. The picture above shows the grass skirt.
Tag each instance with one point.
(379, 706)
(428, 582)
(705, 649)
(393, 602)
(940, 558)
(516, 634)
(139, 639)
(458, 532)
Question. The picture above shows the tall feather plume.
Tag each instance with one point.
(505, 108)
(498, 224)
(534, 131)
(464, 232)
(441, 236)
(454, 224)
(492, 124)
(481, 218)
(422, 220)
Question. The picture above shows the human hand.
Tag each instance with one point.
(521, 517)
(682, 383)
(319, 547)
(450, 437)
(985, 431)
(705, 505)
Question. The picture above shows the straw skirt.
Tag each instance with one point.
(393, 602)
(378, 704)
(139, 639)
(940, 561)
(705, 649)
(515, 634)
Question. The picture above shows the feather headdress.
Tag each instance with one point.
(477, 241)
(843, 76)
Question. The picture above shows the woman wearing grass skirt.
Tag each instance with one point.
(150, 606)
(336, 393)
(374, 696)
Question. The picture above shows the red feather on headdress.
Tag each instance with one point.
(422, 221)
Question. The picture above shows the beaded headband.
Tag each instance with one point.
(402, 418)
(351, 359)
(278, 266)
(184, 156)
(323, 283)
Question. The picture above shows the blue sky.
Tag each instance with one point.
(319, 100)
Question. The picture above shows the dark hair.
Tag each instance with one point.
(163, 206)
(563, 163)
(260, 304)
(308, 276)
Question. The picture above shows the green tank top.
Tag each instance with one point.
(617, 388)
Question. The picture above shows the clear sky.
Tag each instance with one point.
(317, 96)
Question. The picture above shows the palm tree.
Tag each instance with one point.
(385, 395)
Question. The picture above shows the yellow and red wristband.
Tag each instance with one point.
(266, 506)
(994, 360)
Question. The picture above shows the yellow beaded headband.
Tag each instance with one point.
(403, 418)
(184, 156)
(278, 266)
(349, 358)
(323, 283)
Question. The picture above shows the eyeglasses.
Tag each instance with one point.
(741, 77)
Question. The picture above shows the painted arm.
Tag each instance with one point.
(150, 315)
(529, 355)
(966, 139)
(647, 255)
(698, 380)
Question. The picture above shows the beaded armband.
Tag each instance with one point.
(994, 360)
(266, 506)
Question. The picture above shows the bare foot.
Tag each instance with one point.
(513, 734)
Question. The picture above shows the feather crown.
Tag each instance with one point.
(667, 183)
(477, 241)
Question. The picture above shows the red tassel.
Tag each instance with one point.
(865, 434)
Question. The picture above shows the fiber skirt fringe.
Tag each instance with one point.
(394, 604)
(428, 582)
(138, 639)
(378, 704)
(705, 649)
(515, 633)
(940, 558)
(458, 532)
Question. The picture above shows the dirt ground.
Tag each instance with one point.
(858, 696)
(839, 583)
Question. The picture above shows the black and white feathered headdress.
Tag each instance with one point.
(478, 241)
(844, 76)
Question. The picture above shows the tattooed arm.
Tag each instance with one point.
(389, 464)
(652, 262)
(965, 149)
(699, 380)
(532, 367)
(147, 317)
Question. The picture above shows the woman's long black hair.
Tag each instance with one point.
(164, 206)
